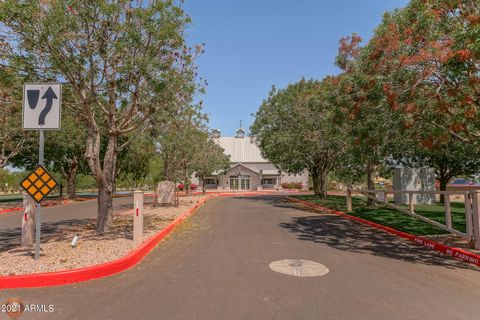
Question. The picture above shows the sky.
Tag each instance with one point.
(251, 45)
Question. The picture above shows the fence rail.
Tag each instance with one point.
(472, 212)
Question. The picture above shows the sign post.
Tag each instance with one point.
(41, 111)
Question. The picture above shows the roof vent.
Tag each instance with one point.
(216, 133)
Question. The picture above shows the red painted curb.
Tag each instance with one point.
(456, 253)
(43, 206)
(97, 271)
(10, 210)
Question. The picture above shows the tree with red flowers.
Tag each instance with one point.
(427, 57)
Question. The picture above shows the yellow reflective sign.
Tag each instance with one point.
(39, 183)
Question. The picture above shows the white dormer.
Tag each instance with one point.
(216, 133)
(240, 133)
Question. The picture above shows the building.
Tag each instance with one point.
(248, 169)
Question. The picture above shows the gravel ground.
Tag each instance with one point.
(91, 249)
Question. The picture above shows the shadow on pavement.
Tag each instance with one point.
(351, 236)
(10, 238)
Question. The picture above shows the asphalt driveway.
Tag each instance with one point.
(216, 266)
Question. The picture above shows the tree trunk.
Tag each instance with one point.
(203, 184)
(104, 176)
(71, 188)
(69, 174)
(443, 186)
(370, 184)
(105, 208)
(319, 178)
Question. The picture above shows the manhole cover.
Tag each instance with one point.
(299, 268)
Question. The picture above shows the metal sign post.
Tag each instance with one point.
(38, 224)
(41, 111)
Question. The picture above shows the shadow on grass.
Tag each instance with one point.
(351, 236)
(394, 218)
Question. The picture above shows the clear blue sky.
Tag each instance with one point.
(251, 45)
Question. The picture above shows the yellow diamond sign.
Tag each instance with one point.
(39, 183)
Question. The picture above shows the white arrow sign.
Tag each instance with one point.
(42, 106)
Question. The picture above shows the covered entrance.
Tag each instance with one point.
(240, 182)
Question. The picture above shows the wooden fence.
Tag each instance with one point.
(472, 212)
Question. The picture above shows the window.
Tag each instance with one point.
(210, 181)
(269, 180)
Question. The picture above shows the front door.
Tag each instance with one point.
(245, 183)
(234, 183)
(240, 183)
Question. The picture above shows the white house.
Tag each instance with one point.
(248, 169)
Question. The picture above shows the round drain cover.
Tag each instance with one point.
(299, 268)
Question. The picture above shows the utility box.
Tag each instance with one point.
(414, 179)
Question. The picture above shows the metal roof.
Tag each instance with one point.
(241, 149)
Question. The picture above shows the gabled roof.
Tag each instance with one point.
(243, 165)
(241, 149)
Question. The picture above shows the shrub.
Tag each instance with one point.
(292, 185)
(181, 186)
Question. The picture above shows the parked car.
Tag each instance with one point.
(462, 182)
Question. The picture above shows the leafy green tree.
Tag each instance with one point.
(294, 130)
(123, 61)
(179, 139)
(449, 159)
(64, 151)
(134, 160)
(9, 181)
(209, 159)
(12, 137)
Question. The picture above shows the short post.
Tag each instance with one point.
(137, 217)
(411, 205)
(28, 221)
(349, 200)
(385, 197)
(468, 217)
(476, 218)
(448, 210)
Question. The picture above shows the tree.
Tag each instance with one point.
(293, 129)
(134, 160)
(64, 150)
(12, 137)
(210, 158)
(424, 58)
(372, 131)
(427, 56)
(123, 62)
(449, 159)
(179, 138)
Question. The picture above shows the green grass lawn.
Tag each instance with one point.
(394, 218)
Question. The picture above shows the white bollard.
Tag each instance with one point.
(28, 221)
(137, 217)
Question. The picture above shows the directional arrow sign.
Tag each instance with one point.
(42, 106)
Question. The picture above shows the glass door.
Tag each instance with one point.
(233, 183)
(245, 183)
